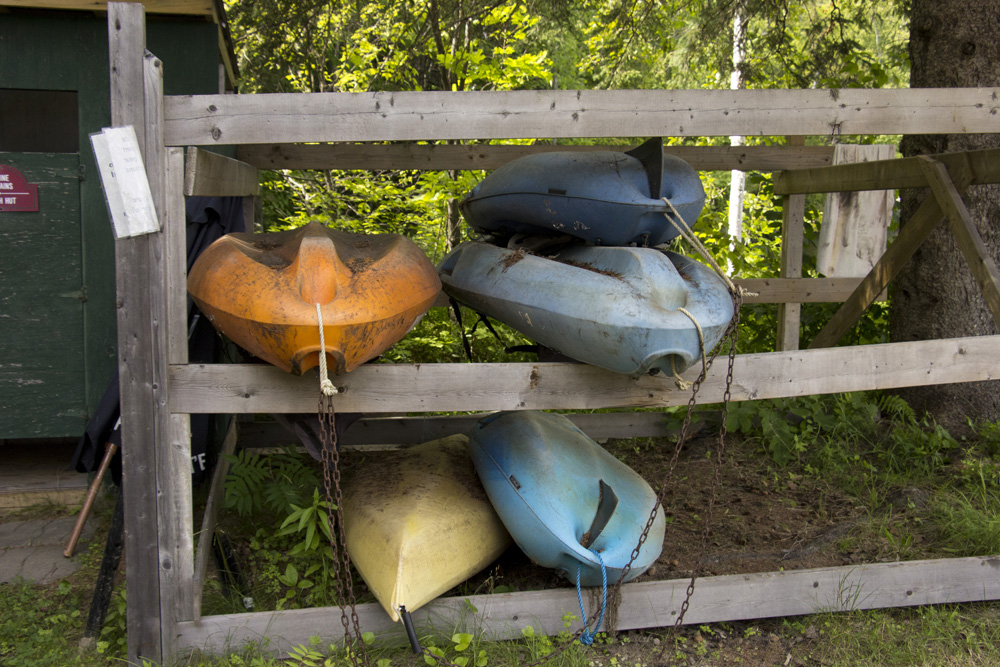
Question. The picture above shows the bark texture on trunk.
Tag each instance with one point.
(953, 43)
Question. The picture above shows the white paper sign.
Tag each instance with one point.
(123, 174)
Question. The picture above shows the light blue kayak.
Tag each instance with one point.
(617, 308)
(563, 498)
(602, 197)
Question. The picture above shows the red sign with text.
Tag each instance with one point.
(16, 194)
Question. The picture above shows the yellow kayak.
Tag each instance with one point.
(418, 522)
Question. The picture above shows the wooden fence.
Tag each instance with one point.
(160, 388)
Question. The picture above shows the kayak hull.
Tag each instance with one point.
(601, 197)
(418, 523)
(617, 308)
(261, 291)
(544, 477)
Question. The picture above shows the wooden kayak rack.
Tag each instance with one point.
(160, 389)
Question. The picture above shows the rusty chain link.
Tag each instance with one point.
(353, 643)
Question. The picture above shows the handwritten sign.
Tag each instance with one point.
(123, 175)
(16, 194)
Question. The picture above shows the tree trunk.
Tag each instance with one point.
(953, 43)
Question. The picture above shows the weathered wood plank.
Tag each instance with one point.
(976, 254)
(651, 604)
(414, 430)
(126, 34)
(400, 116)
(174, 240)
(793, 213)
(183, 7)
(175, 249)
(389, 157)
(914, 233)
(886, 174)
(212, 175)
(797, 290)
(382, 388)
(172, 457)
(216, 494)
(855, 225)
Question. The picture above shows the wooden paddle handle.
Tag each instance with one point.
(109, 453)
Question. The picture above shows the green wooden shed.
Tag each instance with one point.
(57, 269)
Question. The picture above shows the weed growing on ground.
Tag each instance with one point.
(40, 625)
(939, 635)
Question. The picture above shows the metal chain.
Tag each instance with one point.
(353, 643)
(731, 334)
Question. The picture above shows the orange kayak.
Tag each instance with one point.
(261, 291)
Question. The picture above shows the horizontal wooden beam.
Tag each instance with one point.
(414, 430)
(983, 165)
(381, 388)
(219, 120)
(209, 174)
(177, 7)
(797, 290)
(651, 604)
(389, 157)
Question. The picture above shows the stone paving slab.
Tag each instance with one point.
(33, 549)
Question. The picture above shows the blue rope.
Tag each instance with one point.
(587, 638)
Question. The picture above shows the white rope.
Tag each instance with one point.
(325, 386)
(678, 222)
(683, 384)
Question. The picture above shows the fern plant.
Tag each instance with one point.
(274, 482)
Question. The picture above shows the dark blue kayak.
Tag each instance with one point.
(602, 197)
(563, 498)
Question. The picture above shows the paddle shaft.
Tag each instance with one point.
(109, 453)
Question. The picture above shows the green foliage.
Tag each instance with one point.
(930, 635)
(38, 625)
(882, 430)
(967, 524)
(464, 651)
(113, 640)
(334, 656)
(438, 338)
(274, 482)
(292, 564)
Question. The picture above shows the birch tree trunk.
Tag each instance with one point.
(953, 43)
(738, 178)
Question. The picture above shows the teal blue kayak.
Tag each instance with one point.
(617, 308)
(568, 503)
(610, 198)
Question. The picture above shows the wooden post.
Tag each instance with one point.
(156, 469)
(127, 38)
(176, 520)
(793, 211)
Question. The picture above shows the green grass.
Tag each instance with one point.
(41, 625)
(939, 635)
(924, 494)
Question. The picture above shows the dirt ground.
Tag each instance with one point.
(762, 519)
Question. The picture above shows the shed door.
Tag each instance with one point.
(42, 303)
